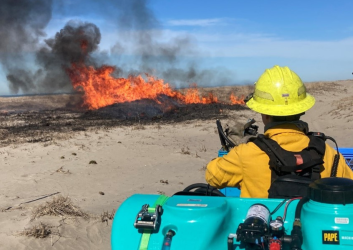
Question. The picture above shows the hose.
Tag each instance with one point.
(296, 234)
(335, 165)
(336, 159)
(168, 240)
(286, 207)
(205, 188)
(300, 206)
(278, 206)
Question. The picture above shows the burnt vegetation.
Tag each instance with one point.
(45, 118)
(26, 123)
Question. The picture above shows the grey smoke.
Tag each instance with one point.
(73, 44)
(35, 68)
(175, 60)
(22, 24)
(32, 67)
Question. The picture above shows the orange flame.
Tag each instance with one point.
(101, 89)
(235, 100)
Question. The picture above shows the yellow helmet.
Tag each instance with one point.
(280, 92)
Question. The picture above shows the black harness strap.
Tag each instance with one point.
(270, 151)
(273, 148)
(307, 162)
(292, 172)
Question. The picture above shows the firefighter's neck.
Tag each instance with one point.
(269, 123)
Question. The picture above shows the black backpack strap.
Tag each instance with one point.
(292, 172)
(270, 151)
(337, 156)
(272, 148)
(275, 159)
(285, 162)
(317, 148)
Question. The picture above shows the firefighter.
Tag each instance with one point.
(281, 98)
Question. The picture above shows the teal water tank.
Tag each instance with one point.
(327, 218)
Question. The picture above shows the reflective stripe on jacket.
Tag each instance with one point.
(246, 166)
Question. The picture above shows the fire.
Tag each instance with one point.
(101, 89)
(235, 100)
(193, 96)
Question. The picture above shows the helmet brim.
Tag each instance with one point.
(282, 110)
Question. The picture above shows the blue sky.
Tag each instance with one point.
(313, 38)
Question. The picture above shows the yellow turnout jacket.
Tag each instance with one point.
(246, 166)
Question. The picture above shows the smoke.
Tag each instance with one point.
(172, 60)
(34, 67)
(73, 44)
(22, 24)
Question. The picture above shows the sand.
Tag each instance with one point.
(96, 169)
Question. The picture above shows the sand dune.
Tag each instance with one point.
(99, 164)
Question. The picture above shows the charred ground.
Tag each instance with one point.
(48, 118)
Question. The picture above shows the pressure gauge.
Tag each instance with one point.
(276, 225)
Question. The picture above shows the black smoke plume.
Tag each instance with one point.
(72, 45)
(34, 67)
